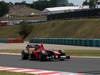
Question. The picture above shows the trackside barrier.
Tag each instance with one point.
(68, 41)
(11, 40)
(15, 40)
(3, 40)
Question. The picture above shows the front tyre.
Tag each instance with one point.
(25, 55)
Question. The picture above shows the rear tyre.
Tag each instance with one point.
(25, 55)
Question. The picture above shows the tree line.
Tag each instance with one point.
(91, 3)
(40, 5)
(4, 8)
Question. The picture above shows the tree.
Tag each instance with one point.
(91, 3)
(40, 5)
(10, 3)
(23, 3)
(25, 29)
(71, 4)
(4, 8)
(85, 3)
(53, 3)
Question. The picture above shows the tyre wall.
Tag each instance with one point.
(68, 41)
(11, 40)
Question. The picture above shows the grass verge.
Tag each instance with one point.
(83, 52)
(22, 18)
(10, 51)
(68, 52)
(12, 73)
(75, 28)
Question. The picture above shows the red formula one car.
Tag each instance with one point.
(38, 52)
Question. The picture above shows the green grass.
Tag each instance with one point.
(12, 73)
(22, 18)
(10, 51)
(33, 10)
(68, 52)
(83, 52)
(9, 31)
(75, 28)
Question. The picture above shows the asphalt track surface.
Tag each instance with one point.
(79, 65)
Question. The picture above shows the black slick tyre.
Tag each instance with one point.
(24, 55)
